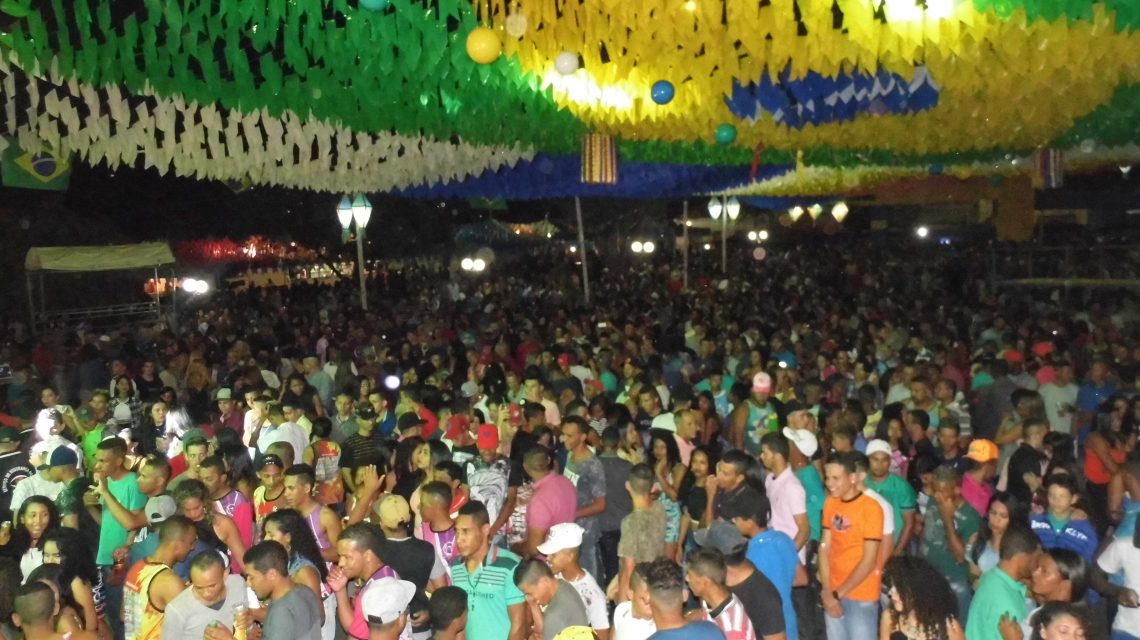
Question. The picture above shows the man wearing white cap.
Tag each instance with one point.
(804, 446)
(749, 421)
(385, 605)
(561, 551)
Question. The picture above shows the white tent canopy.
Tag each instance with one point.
(145, 255)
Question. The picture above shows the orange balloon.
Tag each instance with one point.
(483, 45)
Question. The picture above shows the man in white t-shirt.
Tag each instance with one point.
(885, 550)
(1060, 398)
(278, 429)
(561, 551)
(633, 619)
(1122, 555)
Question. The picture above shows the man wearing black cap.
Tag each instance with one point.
(362, 447)
(14, 468)
(410, 425)
(756, 592)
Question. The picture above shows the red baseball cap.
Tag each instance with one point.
(1013, 356)
(515, 413)
(456, 425)
(488, 437)
(565, 360)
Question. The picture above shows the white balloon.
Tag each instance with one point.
(566, 63)
(516, 25)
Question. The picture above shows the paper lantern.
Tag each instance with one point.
(483, 45)
(1048, 169)
(662, 92)
(725, 134)
(599, 159)
(566, 63)
(375, 5)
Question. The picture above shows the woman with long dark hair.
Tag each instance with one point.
(424, 459)
(408, 476)
(25, 541)
(239, 466)
(306, 566)
(982, 551)
(669, 473)
(79, 578)
(69, 619)
(702, 465)
(922, 605)
(1059, 621)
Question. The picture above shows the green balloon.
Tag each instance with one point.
(725, 134)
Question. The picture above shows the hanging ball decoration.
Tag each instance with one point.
(1088, 145)
(662, 92)
(515, 24)
(566, 62)
(483, 45)
(759, 254)
(725, 134)
(936, 169)
(375, 5)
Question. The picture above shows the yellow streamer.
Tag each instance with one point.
(1004, 82)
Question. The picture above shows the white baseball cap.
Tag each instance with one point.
(666, 422)
(386, 599)
(804, 440)
(562, 536)
(878, 446)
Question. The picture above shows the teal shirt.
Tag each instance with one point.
(112, 535)
(609, 381)
(936, 550)
(998, 594)
(816, 495)
(490, 590)
(899, 493)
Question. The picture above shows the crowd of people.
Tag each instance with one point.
(844, 441)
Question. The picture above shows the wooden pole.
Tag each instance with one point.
(582, 250)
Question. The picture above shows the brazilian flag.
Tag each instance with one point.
(45, 170)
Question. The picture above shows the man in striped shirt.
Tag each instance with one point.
(496, 608)
(706, 574)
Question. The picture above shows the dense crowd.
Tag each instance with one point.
(844, 441)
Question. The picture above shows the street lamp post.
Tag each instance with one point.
(356, 211)
(730, 208)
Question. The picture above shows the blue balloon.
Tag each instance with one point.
(662, 92)
(375, 5)
(936, 169)
(725, 134)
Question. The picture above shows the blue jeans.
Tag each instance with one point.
(860, 621)
(114, 603)
(588, 553)
(964, 595)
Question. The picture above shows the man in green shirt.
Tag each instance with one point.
(948, 525)
(1001, 591)
(496, 607)
(894, 489)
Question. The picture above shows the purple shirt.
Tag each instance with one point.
(555, 501)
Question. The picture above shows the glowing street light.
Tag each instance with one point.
(922, 232)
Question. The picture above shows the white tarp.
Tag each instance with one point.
(108, 258)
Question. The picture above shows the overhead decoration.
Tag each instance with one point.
(566, 63)
(37, 169)
(599, 159)
(420, 96)
(662, 92)
(483, 45)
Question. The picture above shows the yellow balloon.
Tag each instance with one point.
(483, 45)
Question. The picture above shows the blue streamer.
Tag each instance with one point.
(560, 176)
(817, 99)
